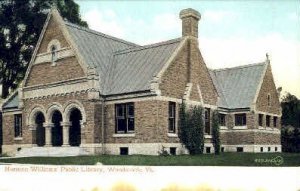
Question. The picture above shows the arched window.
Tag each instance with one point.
(269, 100)
(53, 53)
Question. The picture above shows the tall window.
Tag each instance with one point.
(124, 118)
(222, 120)
(274, 121)
(207, 121)
(240, 119)
(260, 119)
(172, 114)
(53, 53)
(268, 119)
(18, 125)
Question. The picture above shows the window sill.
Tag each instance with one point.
(207, 136)
(172, 135)
(269, 128)
(18, 138)
(260, 127)
(239, 127)
(124, 135)
(223, 128)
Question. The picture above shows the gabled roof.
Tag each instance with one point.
(96, 48)
(132, 70)
(12, 102)
(237, 86)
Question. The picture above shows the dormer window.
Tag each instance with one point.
(53, 54)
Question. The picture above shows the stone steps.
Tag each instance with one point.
(52, 151)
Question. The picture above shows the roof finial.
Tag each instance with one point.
(267, 58)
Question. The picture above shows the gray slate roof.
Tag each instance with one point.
(12, 102)
(237, 86)
(132, 70)
(123, 67)
(96, 48)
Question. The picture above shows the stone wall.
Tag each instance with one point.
(268, 88)
(189, 67)
(45, 73)
(151, 123)
(53, 31)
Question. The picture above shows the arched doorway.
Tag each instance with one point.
(75, 128)
(57, 133)
(40, 130)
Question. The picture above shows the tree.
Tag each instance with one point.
(290, 110)
(216, 132)
(21, 22)
(290, 133)
(191, 129)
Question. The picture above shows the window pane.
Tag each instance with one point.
(120, 110)
(268, 121)
(260, 120)
(18, 125)
(207, 121)
(171, 125)
(130, 109)
(240, 119)
(121, 125)
(222, 121)
(275, 121)
(131, 124)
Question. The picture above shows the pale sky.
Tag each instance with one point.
(231, 33)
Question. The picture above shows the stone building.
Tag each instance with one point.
(86, 92)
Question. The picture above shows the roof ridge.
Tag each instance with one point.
(100, 33)
(154, 45)
(239, 67)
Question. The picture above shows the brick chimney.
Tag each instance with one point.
(190, 18)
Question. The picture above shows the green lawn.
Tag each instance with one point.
(224, 159)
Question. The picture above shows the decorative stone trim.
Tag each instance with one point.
(172, 135)
(11, 112)
(18, 138)
(61, 54)
(207, 136)
(275, 131)
(57, 89)
(54, 42)
(223, 127)
(200, 94)
(240, 127)
(187, 92)
(251, 148)
(123, 135)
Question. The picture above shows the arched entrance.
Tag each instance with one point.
(56, 131)
(40, 130)
(75, 128)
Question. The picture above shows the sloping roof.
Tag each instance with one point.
(133, 69)
(96, 48)
(237, 86)
(12, 102)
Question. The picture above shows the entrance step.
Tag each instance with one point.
(52, 151)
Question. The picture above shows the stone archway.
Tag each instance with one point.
(56, 130)
(40, 129)
(75, 127)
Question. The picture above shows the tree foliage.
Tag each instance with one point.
(216, 132)
(290, 133)
(21, 22)
(191, 128)
(290, 110)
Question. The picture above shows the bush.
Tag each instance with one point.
(216, 132)
(191, 129)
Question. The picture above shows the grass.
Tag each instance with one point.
(224, 159)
